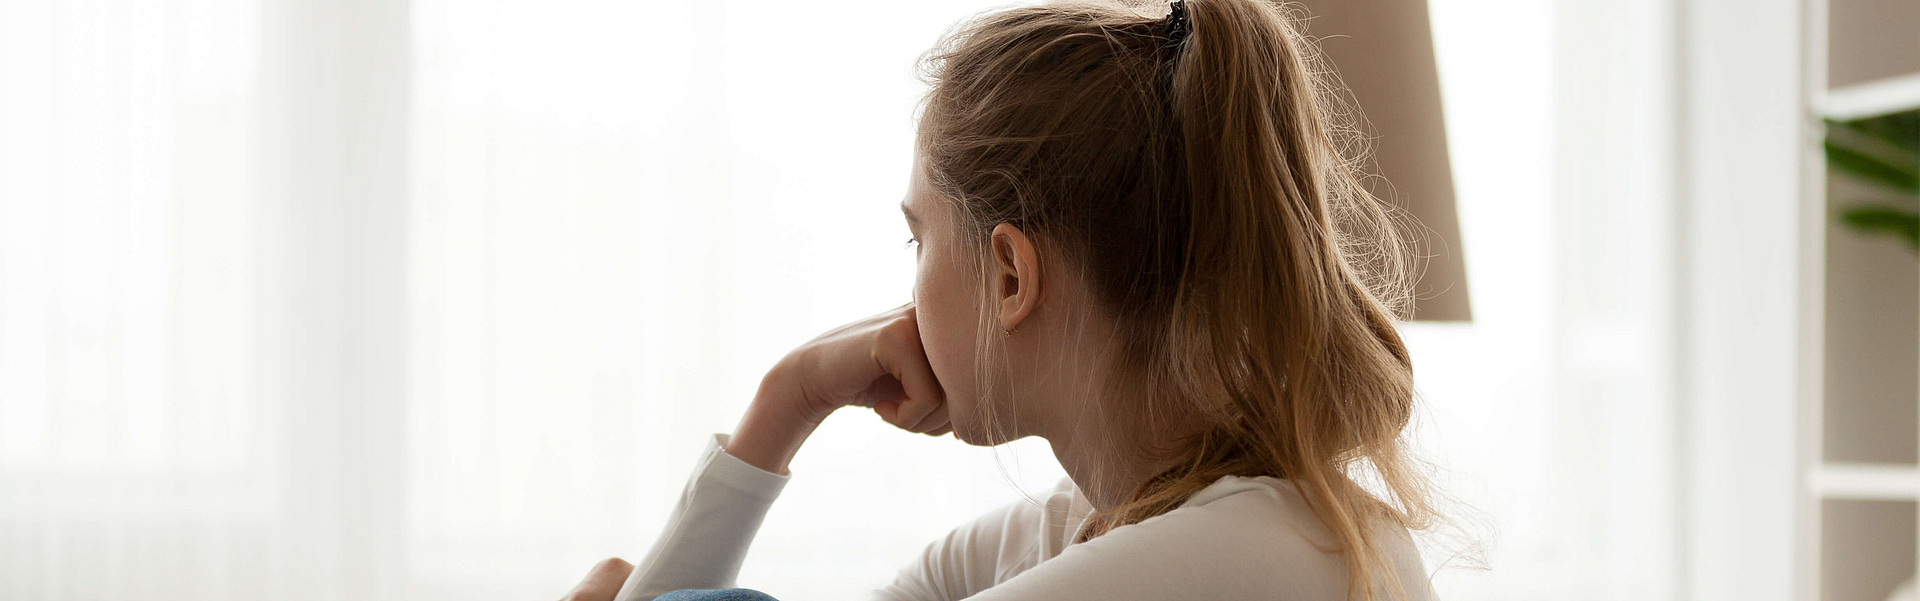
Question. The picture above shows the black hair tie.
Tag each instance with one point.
(1177, 25)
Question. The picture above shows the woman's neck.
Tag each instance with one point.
(1063, 365)
(1109, 461)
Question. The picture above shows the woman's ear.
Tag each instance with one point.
(1016, 275)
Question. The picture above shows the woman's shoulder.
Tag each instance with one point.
(993, 547)
(1245, 534)
(1238, 536)
(1244, 525)
(1258, 506)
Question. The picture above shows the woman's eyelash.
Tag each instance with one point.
(910, 243)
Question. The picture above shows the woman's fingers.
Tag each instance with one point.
(602, 582)
(897, 349)
(884, 368)
(933, 420)
(936, 423)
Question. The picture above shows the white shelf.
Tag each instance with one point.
(1866, 481)
(1874, 98)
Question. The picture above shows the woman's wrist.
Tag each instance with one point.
(774, 426)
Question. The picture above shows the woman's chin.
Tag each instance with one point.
(979, 437)
(968, 436)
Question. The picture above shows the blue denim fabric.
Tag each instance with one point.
(720, 594)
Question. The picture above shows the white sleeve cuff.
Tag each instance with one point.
(722, 467)
(709, 531)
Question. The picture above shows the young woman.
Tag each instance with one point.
(1140, 240)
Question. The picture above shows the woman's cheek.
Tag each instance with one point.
(945, 333)
(952, 368)
(934, 338)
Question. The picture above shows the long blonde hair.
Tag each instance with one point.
(1206, 193)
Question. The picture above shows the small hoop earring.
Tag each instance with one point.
(1006, 332)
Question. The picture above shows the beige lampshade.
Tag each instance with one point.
(1383, 52)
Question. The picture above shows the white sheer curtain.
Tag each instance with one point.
(439, 299)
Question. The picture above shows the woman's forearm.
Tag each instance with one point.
(772, 430)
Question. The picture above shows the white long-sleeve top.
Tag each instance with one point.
(1239, 538)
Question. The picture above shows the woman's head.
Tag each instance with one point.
(1188, 210)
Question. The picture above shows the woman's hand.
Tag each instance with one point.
(602, 582)
(876, 362)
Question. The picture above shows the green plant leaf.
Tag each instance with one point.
(1899, 130)
(1902, 178)
(1886, 220)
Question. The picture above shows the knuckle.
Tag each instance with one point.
(610, 563)
(890, 333)
(906, 325)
